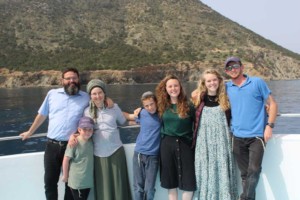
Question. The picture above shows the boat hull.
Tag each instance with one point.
(22, 174)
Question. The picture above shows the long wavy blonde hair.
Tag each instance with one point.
(222, 97)
(164, 100)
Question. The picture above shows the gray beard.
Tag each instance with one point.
(71, 90)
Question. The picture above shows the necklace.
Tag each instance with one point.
(213, 98)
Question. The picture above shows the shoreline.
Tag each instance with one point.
(187, 72)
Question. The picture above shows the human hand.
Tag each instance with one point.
(64, 179)
(109, 102)
(136, 112)
(25, 135)
(73, 140)
(267, 133)
(195, 95)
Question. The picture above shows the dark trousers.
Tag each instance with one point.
(53, 158)
(249, 154)
(80, 194)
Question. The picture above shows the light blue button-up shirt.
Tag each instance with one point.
(64, 112)
(106, 135)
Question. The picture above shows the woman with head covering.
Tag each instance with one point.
(111, 178)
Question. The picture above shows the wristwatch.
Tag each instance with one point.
(272, 125)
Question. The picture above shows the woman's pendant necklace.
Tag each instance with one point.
(213, 98)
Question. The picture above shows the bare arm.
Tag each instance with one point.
(39, 119)
(273, 109)
(66, 163)
(128, 116)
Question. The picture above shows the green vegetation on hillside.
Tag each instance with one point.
(92, 34)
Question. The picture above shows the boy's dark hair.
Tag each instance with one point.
(148, 95)
(70, 69)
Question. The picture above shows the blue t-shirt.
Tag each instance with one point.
(248, 111)
(64, 112)
(148, 140)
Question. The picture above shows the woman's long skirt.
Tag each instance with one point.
(111, 177)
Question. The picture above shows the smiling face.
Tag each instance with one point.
(97, 96)
(211, 82)
(173, 88)
(70, 81)
(150, 105)
(85, 133)
(234, 72)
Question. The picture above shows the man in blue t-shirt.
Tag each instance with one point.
(251, 125)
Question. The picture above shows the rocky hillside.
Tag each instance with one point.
(186, 71)
(132, 37)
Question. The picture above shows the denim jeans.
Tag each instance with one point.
(249, 155)
(145, 169)
(53, 158)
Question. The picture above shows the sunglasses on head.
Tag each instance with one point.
(234, 66)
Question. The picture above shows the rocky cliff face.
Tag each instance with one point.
(186, 71)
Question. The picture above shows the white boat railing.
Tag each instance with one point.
(19, 137)
(22, 174)
(288, 114)
(126, 127)
(45, 134)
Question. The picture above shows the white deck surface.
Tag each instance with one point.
(21, 176)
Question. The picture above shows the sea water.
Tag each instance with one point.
(19, 107)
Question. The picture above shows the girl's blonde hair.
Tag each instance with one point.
(164, 101)
(222, 97)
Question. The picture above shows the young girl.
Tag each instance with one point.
(78, 163)
(215, 175)
(177, 156)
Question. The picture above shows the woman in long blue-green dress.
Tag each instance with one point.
(214, 166)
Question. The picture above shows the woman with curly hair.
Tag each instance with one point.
(215, 176)
(177, 156)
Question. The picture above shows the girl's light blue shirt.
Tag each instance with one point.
(106, 135)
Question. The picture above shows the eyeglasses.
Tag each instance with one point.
(234, 66)
(71, 78)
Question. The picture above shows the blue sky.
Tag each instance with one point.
(276, 20)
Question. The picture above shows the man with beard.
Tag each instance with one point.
(64, 107)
